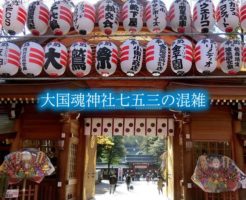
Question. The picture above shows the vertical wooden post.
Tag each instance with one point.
(238, 153)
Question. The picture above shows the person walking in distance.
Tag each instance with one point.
(128, 181)
(112, 184)
(160, 185)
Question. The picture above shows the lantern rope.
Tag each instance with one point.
(121, 78)
(121, 35)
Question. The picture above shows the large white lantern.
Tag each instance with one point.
(108, 17)
(80, 59)
(156, 16)
(106, 58)
(38, 18)
(132, 16)
(205, 56)
(131, 57)
(84, 17)
(181, 56)
(14, 17)
(55, 59)
(156, 57)
(180, 16)
(230, 56)
(32, 58)
(9, 59)
(204, 16)
(243, 15)
(60, 18)
(227, 15)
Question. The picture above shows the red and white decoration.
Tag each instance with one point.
(108, 17)
(55, 59)
(181, 56)
(60, 18)
(227, 15)
(180, 16)
(9, 59)
(80, 59)
(38, 18)
(106, 58)
(206, 56)
(156, 57)
(243, 15)
(204, 16)
(131, 57)
(32, 58)
(156, 16)
(1, 18)
(14, 17)
(132, 16)
(230, 56)
(84, 17)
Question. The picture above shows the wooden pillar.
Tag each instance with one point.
(238, 153)
(90, 167)
(65, 134)
(188, 162)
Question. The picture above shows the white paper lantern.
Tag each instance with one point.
(156, 57)
(205, 55)
(38, 18)
(132, 16)
(230, 56)
(14, 17)
(156, 16)
(55, 59)
(131, 57)
(181, 56)
(32, 58)
(106, 58)
(227, 15)
(84, 17)
(180, 16)
(80, 59)
(9, 59)
(108, 17)
(60, 18)
(243, 15)
(204, 16)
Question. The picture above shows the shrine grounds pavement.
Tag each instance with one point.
(141, 190)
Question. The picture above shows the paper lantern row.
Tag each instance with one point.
(60, 17)
(54, 58)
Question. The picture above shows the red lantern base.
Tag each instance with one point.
(35, 32)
